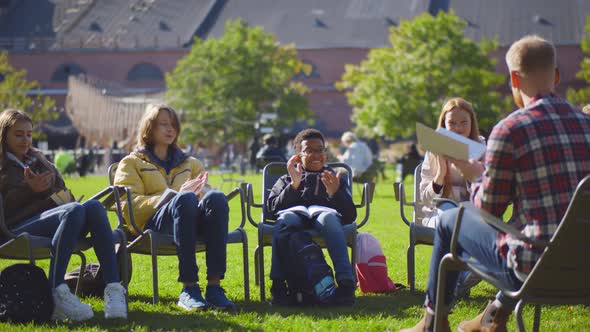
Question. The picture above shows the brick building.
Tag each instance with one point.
(134, 43)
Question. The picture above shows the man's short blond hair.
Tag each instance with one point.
(586, 109)
(531, 54)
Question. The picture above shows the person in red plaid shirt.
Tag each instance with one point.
(534, 160)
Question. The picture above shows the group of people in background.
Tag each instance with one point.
(521, 166)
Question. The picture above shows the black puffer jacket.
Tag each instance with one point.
(311, 191)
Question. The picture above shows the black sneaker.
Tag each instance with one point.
(279, 293)
(345, 293)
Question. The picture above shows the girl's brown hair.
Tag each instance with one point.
(148, 122)
(450, 105)
(9, 118)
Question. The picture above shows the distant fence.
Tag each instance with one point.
(102, 118)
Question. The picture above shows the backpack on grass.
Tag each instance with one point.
(310, 279)
(371, 266)
(92, 280)
(25, 294)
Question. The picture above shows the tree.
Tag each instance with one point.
(581, 97)
(223, 85)
(429, 61)
(13, 93)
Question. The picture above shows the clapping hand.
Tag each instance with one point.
(331, 181)
(197, 184)
(38, 182)
(295, 171)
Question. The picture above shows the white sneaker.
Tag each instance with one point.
(68, 306)
(115, 305)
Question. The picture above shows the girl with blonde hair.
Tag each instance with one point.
(157, 165)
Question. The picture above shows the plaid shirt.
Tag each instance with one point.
(535, 158)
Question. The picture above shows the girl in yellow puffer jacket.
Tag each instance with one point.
(158, 165)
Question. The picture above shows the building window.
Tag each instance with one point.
(145, 71)
(314, 73)
(64, 70)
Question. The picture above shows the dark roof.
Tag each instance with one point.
(170, 23)
(26, 18)
(322, 24)
(105, 23)
(561, 21)
(310, 24)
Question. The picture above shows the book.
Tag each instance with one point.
(166, 196)
(447, 143)
(63, 197)
(310, 212)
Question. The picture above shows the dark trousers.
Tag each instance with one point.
(477, 240)
(188, 219)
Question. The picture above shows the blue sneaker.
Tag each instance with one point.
(191, 299)
(215, 295)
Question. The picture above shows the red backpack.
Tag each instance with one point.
(371, 266)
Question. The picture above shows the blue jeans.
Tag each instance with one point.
(187, 220)
(67, 224)
(330, 227)
(477, 240)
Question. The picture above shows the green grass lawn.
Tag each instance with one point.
(371, 313)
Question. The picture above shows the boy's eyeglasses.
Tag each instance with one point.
(309, 152)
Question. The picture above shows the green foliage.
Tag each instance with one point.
(581, 97)
(429, 61)
(13, 93)
(223, 85)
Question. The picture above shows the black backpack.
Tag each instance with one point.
(92, 280)
(309, 278)
(25, 294)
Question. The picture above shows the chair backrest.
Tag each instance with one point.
(112, 170)
(562, 273)
(417, 214)
(273, 171)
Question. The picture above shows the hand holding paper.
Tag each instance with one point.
(447, 143)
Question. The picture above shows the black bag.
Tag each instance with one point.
(92, 280)
(25, 294)
(309, 278)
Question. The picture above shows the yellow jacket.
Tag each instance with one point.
(148, 180)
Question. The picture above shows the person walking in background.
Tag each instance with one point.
(529, 162)
(28, 182)
(193, 213)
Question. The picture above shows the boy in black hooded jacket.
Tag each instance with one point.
(310, 182)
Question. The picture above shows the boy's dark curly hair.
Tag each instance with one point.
(306, 134)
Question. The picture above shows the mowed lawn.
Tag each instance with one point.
(372, 312)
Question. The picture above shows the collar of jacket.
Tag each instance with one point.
(175, 158)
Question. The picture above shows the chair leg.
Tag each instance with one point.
(353, 258)
(440, 309)
(82, 268)
(256, 265)
(537, 320)
(246, 267)
(154, 252)
(261, 273)
(518, 313)
(410, 262)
